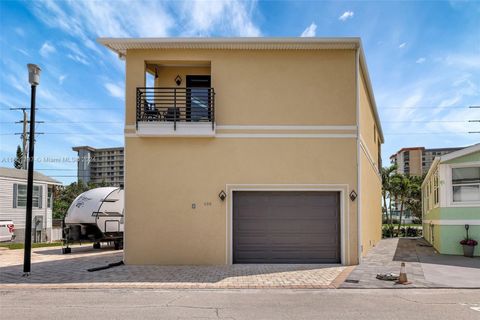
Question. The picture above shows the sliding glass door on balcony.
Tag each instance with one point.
(198, 98)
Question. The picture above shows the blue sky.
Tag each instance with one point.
(423, 58)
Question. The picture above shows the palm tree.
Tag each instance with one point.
(401, 186)
(414, 201)
(386, 174)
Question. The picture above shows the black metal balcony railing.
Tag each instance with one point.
(176, 105)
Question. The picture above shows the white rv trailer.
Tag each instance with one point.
(96, 215)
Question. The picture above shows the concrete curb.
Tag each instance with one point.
(153, 286)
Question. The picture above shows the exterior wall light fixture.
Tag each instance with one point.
(222, 195)
(353, 195)
(178, 80)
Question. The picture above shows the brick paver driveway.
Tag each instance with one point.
(52, 269)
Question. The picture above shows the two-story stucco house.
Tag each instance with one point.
(249, 150)
(451, 200)
(13, 201)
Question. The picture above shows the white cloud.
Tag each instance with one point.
(346, 15)
(232, 18)
(420, 60)
(62, 78)
(77, 58)
(402, 45)
(47, 49)
(24, 52)
(464, 61)
(120, 18)
(310, 31)
(19, 31)
(21, 86)
(115, 90)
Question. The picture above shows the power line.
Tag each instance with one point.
(70, 108)
(429, 121)
(430, 133)
(434, 107)
(45, 169)
(68, 122)
(68, 133)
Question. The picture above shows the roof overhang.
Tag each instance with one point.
(461, 153)
(433, 167)
(121, 45)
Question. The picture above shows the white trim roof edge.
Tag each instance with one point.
(460, 153)
(363, 65)
(429, 173)
(119, 45)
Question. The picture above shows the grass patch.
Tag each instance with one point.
(19, 245)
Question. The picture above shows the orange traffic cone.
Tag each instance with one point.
(402, 279)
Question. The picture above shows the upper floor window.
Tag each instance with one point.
(49, 197)
(435, 188)
(466, 184)
(20, 196)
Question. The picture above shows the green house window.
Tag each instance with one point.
(466, 184)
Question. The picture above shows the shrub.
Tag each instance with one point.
(417, 221)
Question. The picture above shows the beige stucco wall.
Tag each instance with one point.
(172, 174)
(165, 176)
(167, 75)
(370, 205)
(370, 182)
(265, 87)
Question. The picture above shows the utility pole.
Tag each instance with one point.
(24, 135)
(34, 79)
(24, 140)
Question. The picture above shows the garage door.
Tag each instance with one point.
(286, 227)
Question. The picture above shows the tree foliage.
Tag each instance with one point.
(386, 174)
(65, 195)
(403, 190)
(18, 161)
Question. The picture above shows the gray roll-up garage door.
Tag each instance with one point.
(286, 227)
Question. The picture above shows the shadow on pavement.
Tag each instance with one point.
(418, 250)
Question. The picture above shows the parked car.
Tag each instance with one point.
(6, 230)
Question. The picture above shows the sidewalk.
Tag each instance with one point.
(425, 267)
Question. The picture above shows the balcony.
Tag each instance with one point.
(175, 112)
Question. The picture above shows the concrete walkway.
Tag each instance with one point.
(51, 269)
(425, 267)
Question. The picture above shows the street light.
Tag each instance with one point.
(34, 79)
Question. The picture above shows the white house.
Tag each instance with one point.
(13, 199)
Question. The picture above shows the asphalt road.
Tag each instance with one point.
(240, 304)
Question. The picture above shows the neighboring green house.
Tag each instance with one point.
(451, 200)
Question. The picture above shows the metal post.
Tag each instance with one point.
(28, 219)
